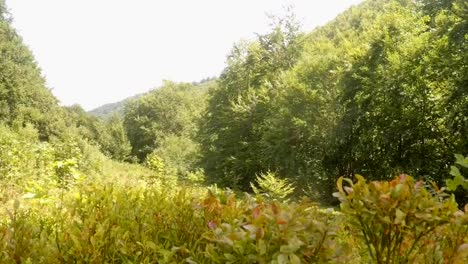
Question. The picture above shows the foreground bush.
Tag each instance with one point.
(133, 222)
(402, 221)
(147, 220)
(256, 231)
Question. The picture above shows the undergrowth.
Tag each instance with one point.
(59, 208)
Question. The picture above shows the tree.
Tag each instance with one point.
(172, 109)
(24, 97)
(237, 112)
(119, 147)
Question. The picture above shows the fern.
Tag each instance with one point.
(271, 186)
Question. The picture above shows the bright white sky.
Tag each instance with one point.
(94, 52)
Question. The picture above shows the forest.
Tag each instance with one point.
(348, 143)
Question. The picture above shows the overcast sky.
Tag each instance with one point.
(94, 52)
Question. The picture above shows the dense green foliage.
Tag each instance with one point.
(378, 91)
(23, 95)
(458, 180)
(140, 219)
(165, 122)
(235, 122)
(402, 221)
(109, 135)
(381, 90)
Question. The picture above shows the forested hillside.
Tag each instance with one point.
(239, 168)
(379, 91)
(108, 110)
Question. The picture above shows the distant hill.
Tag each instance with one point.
(107, 110)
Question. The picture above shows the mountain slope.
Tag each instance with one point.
(107, 110)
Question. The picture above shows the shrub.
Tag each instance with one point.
(124, 218)
(161, 173)
(196, 177)
(253, 231)
(19, 151)
(401, 221)
(458, 179)
(272, 187)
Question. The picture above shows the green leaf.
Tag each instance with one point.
(151, 245)
(451, 186)
(386, 219)
(261, 247)
(461, 160)
(454, 171)
(229, 257)
(458, 180)
(400, 217)
(294, 259)
(396, 192)
(282, 259)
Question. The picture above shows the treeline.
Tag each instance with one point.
(380, 90)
